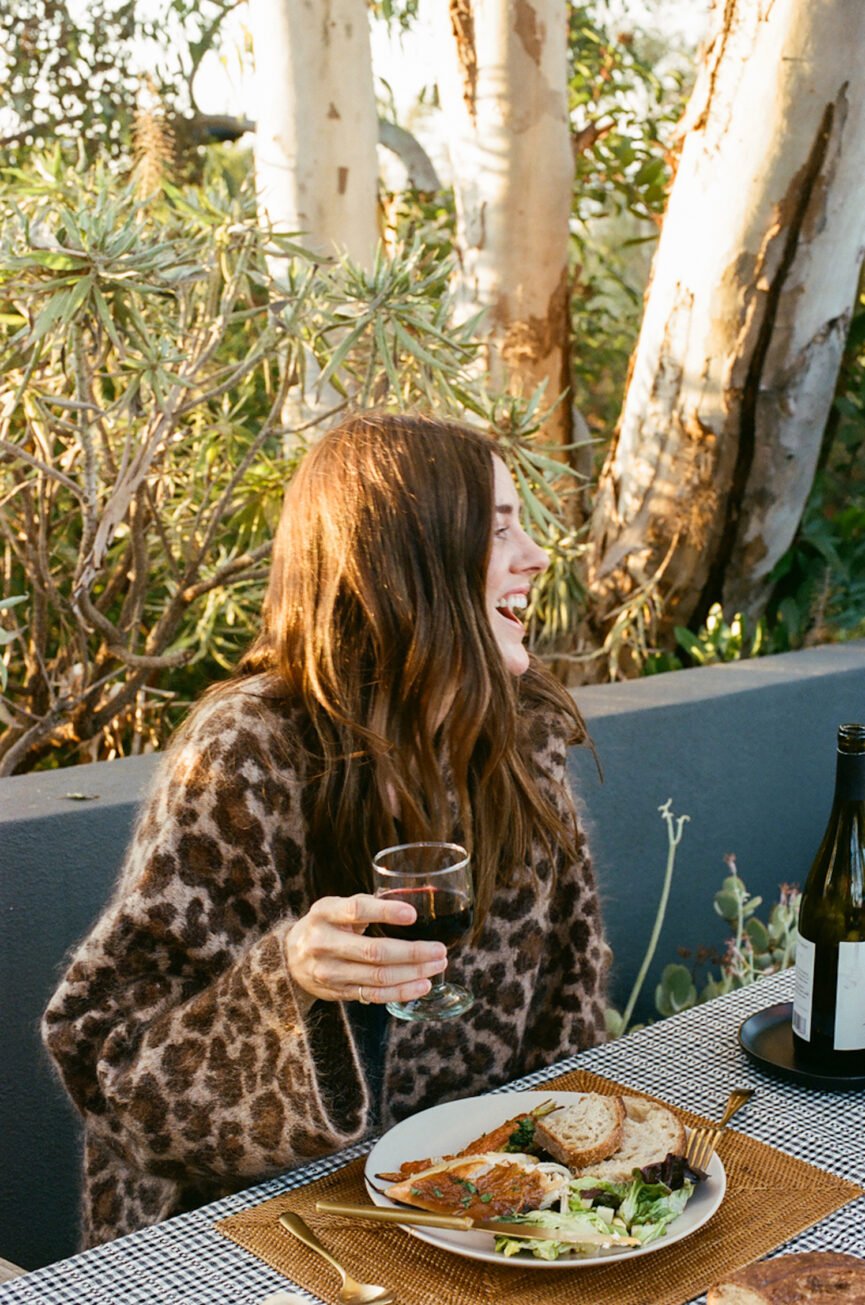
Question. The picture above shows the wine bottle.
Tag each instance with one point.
(829, 1001)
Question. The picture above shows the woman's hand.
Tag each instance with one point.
(331, 957)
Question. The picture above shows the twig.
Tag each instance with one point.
(14, 451)
(228, 571)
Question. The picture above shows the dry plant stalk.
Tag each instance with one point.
(153, 143)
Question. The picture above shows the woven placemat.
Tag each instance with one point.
(770, 1197)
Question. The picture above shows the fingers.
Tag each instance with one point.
(344, 914)
(381, 996)
(363, 909)
(390, 976)
(340, 976)
(382, 952)
(330, 959)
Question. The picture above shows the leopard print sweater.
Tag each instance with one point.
(197, 1066)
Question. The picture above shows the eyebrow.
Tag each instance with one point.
(507, 508)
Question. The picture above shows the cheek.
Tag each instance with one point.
(497, 574)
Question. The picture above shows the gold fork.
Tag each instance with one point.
(702, 1141)
(351, 1292)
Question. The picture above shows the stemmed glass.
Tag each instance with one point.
(435, 878)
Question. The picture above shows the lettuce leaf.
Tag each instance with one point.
(641, 1209)
(574, 1223)
(649, 1207)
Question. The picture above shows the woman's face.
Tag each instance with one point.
(515, 560)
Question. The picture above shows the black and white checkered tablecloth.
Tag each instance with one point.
(692, 1060)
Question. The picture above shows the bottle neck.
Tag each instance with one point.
(850, 777)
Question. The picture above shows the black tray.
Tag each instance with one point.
(767, 1038)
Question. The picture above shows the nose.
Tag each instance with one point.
(533, 558)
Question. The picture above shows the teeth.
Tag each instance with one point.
(515, 602)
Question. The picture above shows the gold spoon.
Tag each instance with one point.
(351, 1292)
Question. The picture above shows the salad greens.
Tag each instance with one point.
(633, 1209)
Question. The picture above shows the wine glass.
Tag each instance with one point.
(434, 878)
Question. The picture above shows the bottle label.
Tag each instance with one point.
(805, 954)
(850, 997)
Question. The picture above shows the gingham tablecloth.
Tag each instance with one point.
(692, 1060)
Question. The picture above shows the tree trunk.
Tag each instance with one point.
(746, 316)
(316, 124)
(503, 90)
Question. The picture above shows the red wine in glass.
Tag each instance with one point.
(435, 879)
(443, 915)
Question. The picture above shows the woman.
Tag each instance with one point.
(224, 1019)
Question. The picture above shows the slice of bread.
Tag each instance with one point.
(650, 1133)
(819, 1277)
(582, 1133)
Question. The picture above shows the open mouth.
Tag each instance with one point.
(509, 606)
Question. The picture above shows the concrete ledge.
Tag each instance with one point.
(746, 750)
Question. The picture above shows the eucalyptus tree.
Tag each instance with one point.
(316, 123)
(752, 289)
(503, 88)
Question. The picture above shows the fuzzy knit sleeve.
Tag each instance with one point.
(568, 1003)
(177, 1029)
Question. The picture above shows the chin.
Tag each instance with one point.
(510, 644)
(516, 660)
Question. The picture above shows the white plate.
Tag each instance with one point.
(445, 1129)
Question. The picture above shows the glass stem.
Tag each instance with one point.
(437, 980)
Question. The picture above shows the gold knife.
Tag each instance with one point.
(463, 1223)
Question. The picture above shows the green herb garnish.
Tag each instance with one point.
(523, 1135)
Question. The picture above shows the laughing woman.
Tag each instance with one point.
(225, 1017)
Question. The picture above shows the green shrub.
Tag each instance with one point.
(167, 364)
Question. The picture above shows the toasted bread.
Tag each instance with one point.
(650, 1133)
(583, 1133)
(818, 1277)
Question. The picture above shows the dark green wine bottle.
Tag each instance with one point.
(829, 1002)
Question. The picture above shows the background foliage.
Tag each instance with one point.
(624, 103)
(138, 313)
(149, 356)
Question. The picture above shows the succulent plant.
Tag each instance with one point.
(756, 948)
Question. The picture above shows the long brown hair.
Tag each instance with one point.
(375, 622)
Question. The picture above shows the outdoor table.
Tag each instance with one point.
(691, 1060)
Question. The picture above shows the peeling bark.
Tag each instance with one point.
(782, 242)
(529, 30)
(317, 127)
(504, 95)
(463, 29)
(528, 344)
(751, 292)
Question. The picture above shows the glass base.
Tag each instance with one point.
(445, 1001)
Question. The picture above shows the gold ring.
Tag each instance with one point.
(362, 998)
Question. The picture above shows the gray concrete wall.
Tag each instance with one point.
(746, 750)
(62, 835)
